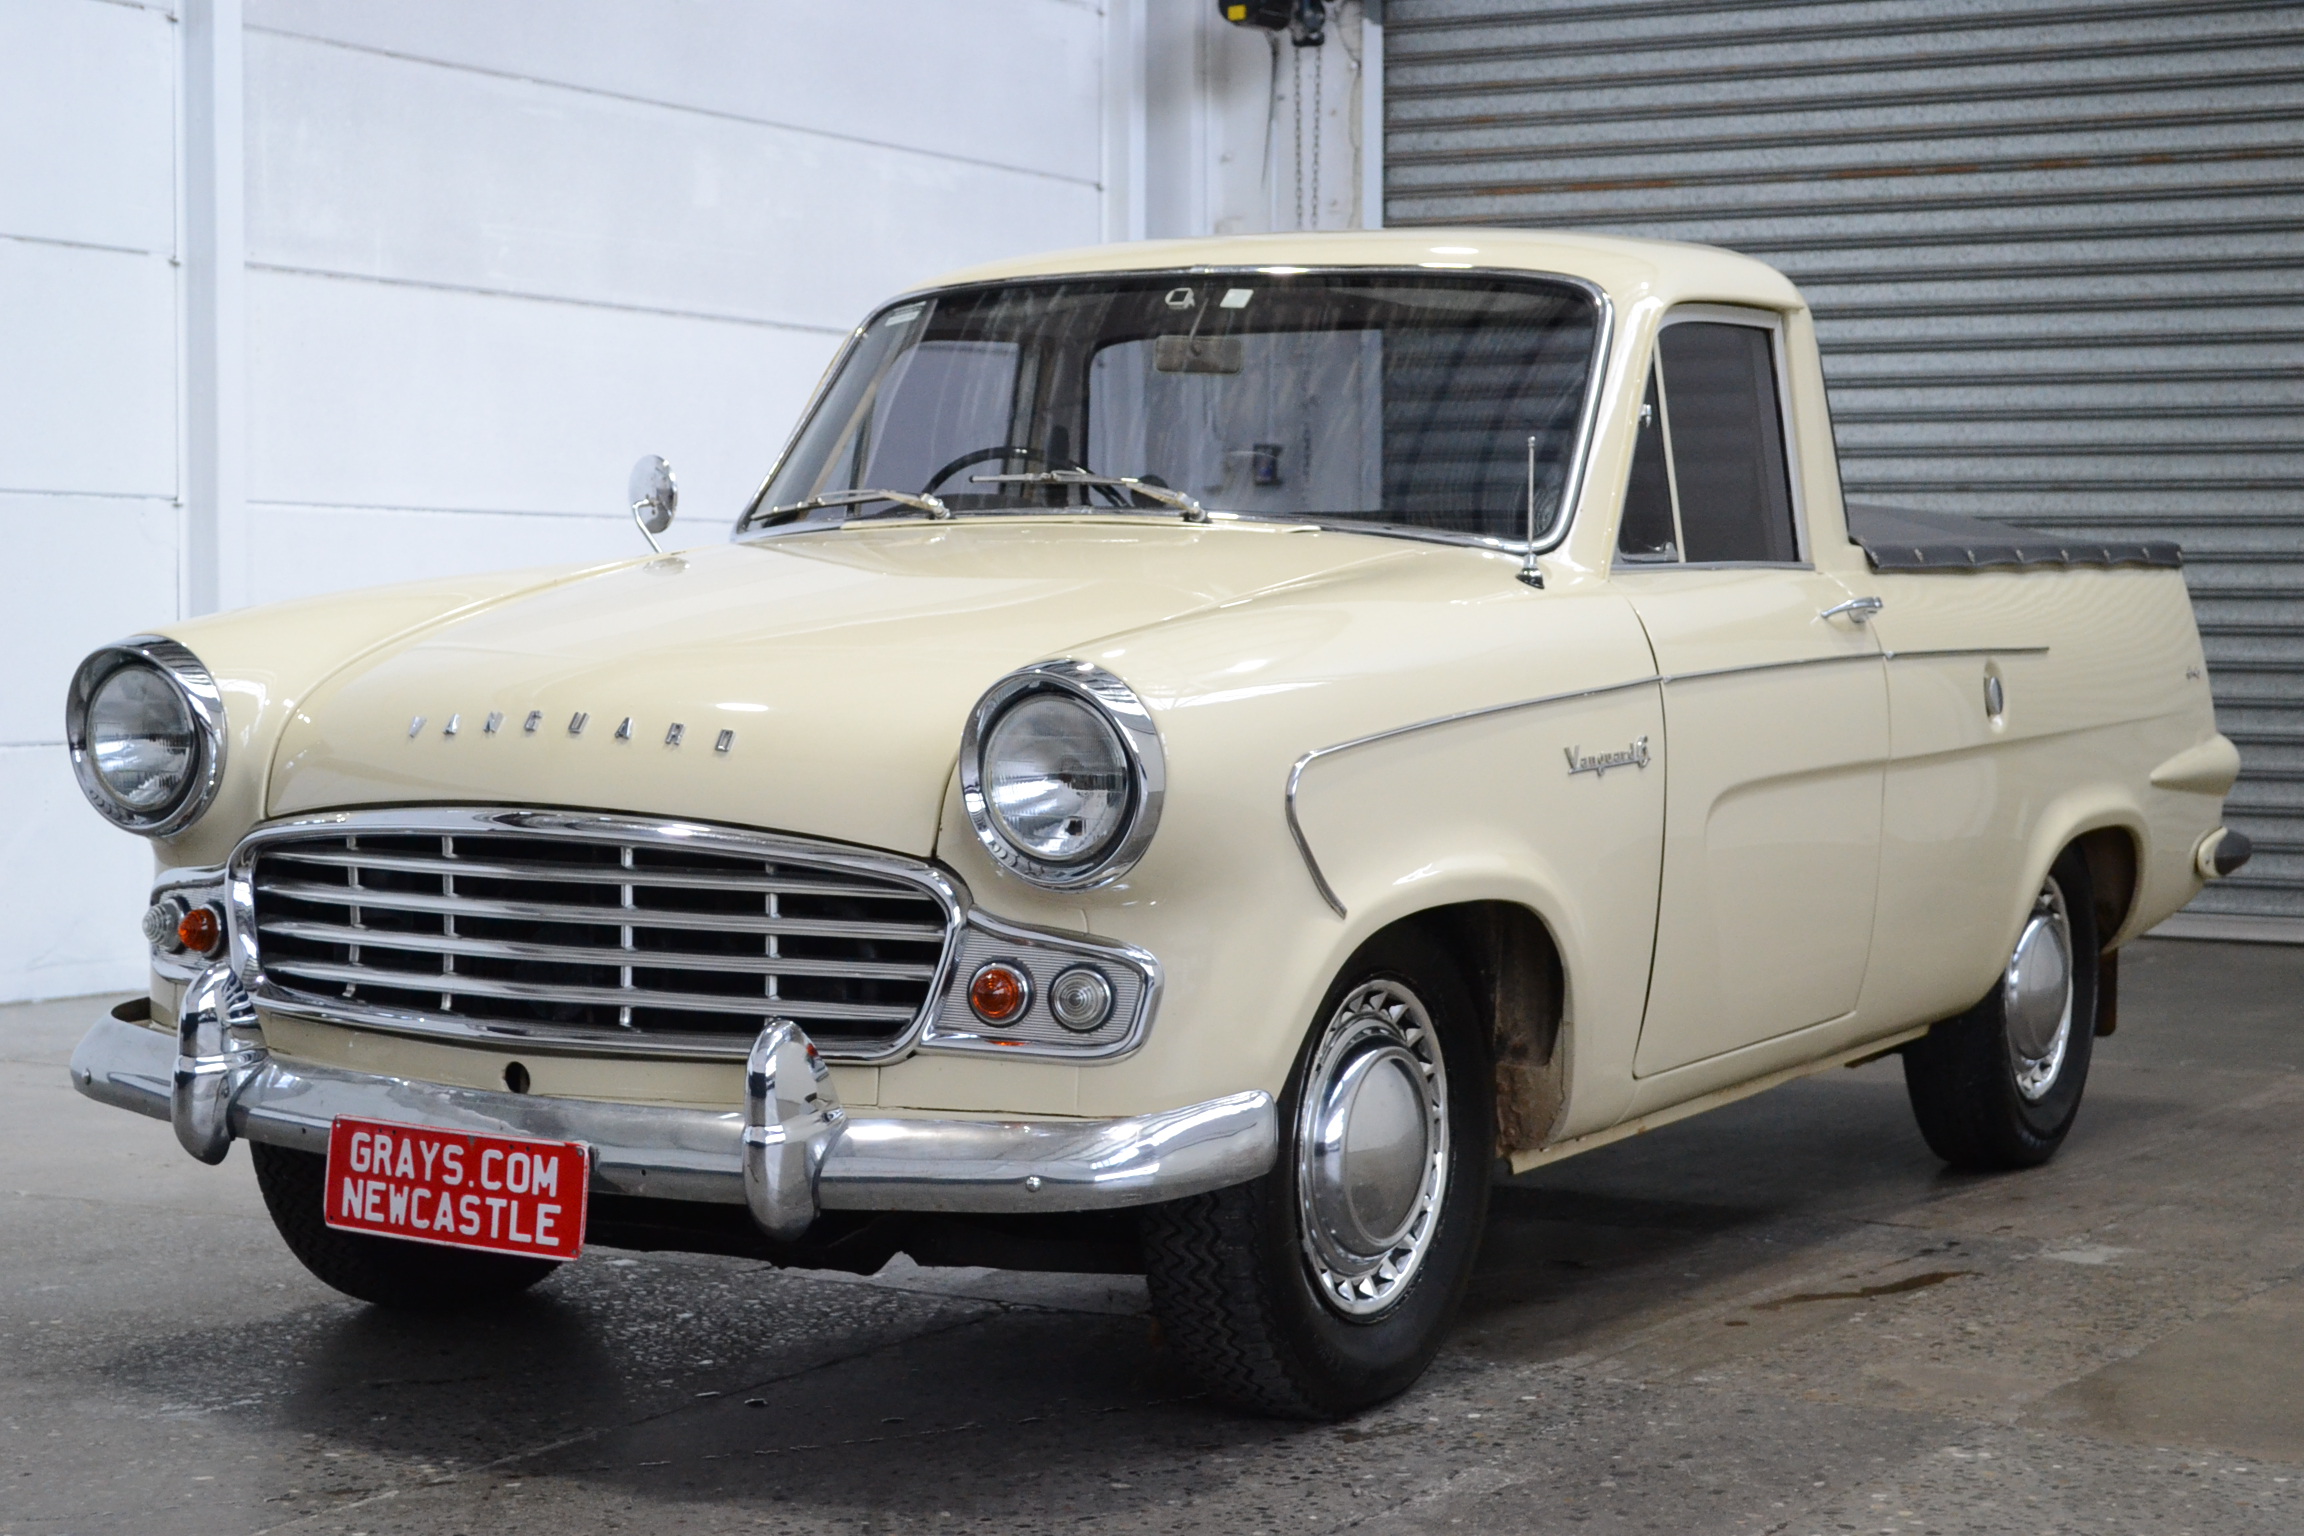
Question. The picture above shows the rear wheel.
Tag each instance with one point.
(1327, 1285)
(2000, 1086)
(384, 1270)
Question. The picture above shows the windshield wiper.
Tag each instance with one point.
(1165, 495)
(924, 503)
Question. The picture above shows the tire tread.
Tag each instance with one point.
(1209, 1293)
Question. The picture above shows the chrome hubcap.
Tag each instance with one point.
(2036, 995)
(1372, 1149)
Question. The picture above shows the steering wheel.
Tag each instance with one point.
(1005, 451)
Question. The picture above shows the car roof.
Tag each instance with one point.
(1628, 270)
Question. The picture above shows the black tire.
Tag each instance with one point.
(1962, 1076)
(1231, 1273)
(417, 1277)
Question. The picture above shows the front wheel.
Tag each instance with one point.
(1999, 1087)
(1327, 1285)
(385, 1270)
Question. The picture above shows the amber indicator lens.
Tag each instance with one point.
(998, 993)
(201, 930)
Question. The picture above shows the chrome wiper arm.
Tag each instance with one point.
(922, 502)
(1165, 495)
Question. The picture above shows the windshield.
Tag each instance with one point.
(1428, 401)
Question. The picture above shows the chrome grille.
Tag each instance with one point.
(536, 932)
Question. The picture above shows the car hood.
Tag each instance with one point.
(814, 684)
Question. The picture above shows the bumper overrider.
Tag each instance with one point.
(789, 1152)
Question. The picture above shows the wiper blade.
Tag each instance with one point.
(1165, 495)
(923, 503)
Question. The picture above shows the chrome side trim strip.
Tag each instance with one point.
(1296, 773)
(1663, 679)
(1968, 650)
(1771, 666)
(667, 1152)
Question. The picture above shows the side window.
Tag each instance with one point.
(1710, 477)
(1649, 531)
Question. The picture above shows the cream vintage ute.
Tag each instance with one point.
(1197, 757)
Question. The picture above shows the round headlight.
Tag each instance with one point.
(1056, 778)
(144, 723)
(142, 739)
(1061, 772)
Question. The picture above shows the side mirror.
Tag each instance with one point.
(654, 495)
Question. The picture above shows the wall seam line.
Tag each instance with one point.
(1089, 183)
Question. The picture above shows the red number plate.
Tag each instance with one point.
(504, 1194)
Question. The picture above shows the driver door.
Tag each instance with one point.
(1775, 707)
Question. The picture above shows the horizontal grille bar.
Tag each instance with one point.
(638, 959)
(635, 996)
(635, 917)
(669, 878)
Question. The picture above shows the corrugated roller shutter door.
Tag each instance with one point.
(2052, 248)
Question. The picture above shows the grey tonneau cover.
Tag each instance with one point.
(1900, 539)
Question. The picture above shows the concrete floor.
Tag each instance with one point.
(1781, 1317)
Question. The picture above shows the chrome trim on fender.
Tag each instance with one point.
(194, 887)
(193, 680)
(1139, 740)
(1968, 650)
(1296, 773)
(1661, 679)
(953, 1026)
(669, 1152)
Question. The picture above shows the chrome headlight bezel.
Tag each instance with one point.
(1139, 739)
(204, 700)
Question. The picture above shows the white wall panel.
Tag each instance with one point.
(368, 164)
(370, 395)
(77, 886)
(500, 248)
(1004, 82)
(89, 569)
(87, 123)
(304, 551)
(87, 370)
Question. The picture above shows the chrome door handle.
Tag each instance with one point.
(1858, 609)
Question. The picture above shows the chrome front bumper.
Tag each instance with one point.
(785, 1158)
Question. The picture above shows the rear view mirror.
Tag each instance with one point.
(654, 495)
